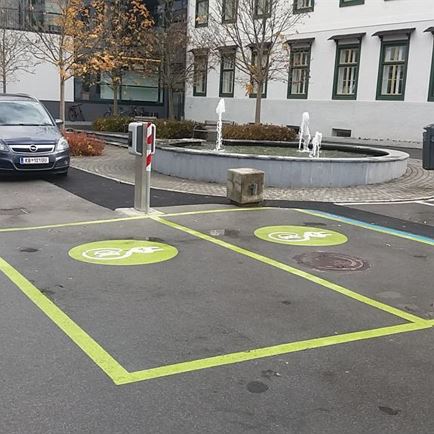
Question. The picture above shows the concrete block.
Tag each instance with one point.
(245, 185)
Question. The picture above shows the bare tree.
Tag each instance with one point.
(170, 46)
(256, 30)
(14, 56)
(65, 38)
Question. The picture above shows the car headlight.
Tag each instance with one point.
(62, 144)
(3, 147)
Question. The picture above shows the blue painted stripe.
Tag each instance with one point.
(371, 226)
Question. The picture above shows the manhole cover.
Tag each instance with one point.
(329, 261)
(13, 211)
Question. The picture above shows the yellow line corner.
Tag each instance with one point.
(243, 356)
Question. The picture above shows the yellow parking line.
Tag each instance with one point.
(65, 225)
(292, 270)
(215, 211)
(101, 357)
(259, 353)
(120, 375)
(122, 219)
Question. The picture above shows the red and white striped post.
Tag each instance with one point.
(150, 144)
(150, 151)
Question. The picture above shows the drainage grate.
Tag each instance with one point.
(13, 211)
(329, 261)
(339, 132)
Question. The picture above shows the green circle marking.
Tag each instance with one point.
(300, 236)
(123, 252)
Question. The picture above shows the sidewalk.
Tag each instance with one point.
(416, 184)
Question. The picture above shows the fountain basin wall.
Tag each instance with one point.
(200, 165)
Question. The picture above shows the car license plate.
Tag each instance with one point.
(34, 160)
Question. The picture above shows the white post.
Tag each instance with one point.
(139, 183)
(220, 110)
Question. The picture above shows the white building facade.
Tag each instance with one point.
(361, 68)
(41, 80)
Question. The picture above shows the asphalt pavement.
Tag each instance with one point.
(208, 318)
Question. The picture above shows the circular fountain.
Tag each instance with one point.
(305, 163)
(338, 165)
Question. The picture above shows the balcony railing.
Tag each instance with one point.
(28, 19)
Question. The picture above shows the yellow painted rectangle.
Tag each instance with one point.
(120, 375)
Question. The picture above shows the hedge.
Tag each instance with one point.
(258, 132)
(114, 124)
(166, 129)
(171, 129)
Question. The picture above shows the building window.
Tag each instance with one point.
(298, 79)
(200, 75)
(393, 70)
(30, 15)
(346, 72)
(135, 86)
(343, 3)
(302, 6)
(229, 11)
(201, 13)
(262, 8)
(253, 82)
(227, 74)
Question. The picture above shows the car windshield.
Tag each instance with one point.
(23, 113)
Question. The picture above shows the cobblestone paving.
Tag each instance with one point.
(416, 184)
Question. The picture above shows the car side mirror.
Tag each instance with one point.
(59, 123)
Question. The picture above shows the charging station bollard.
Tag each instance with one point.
(141, 144)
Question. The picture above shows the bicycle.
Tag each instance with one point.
(75, 113)
(109, 112)
(137, 112)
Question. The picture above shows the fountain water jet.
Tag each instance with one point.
(304, 134)
(316, 145)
